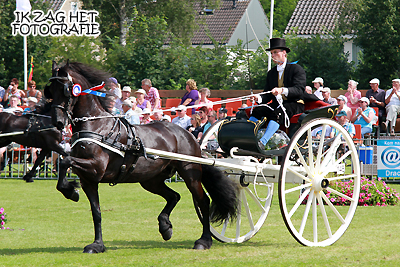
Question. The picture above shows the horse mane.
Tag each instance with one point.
(93, 76)
(43, 106)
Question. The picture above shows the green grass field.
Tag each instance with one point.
(49, 230)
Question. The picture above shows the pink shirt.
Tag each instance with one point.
(151, 96)
(357, 94)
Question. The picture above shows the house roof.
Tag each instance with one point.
(54, 4)
(220, 24)
(314, 17)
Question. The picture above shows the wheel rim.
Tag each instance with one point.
(318, 222)
(255, 195)
(255, 198)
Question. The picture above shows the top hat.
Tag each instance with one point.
(278, 43)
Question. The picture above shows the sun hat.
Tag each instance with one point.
(181, 107)
(140, 91)
(325, 89)
(396, 80)
(33, 99)
(342, 97)
(341, 113)
(374, 80)
(318, 80)
(112, 79)
(146, 111)
(126, 89)
(364, 99)
(127, 102)
(223, 110)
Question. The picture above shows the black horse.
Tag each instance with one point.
(106, 149)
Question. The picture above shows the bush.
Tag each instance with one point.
(372, 193)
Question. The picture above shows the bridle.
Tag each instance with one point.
(67, 86)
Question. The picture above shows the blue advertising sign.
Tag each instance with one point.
(388, 158)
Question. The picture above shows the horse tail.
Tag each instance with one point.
(223, 192)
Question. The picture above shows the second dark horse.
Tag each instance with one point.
(40, 133)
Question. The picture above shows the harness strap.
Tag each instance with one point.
(121, 153)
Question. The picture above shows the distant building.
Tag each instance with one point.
(312, 17)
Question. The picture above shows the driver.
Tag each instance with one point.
(285, 84)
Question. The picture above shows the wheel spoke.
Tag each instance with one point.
(299, 175)
(306, 212)
(314, 219)
(333, 208)
(226, 222)
(344, 177)
(301, 158)
(330, 153)
(337, 162)
(298, 202)
(340, 194)
(298, 188)
(310, 150)
(248, 212)
(255, 199)
(320, 147)
(324, 216)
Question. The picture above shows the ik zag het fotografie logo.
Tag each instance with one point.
(78, 23)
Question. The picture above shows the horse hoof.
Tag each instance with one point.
(202, 245)
(28, 179)
(167, 234)
(94, 248)
(75, 196)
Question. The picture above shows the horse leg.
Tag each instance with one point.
(91, 191)
(29, 176)
(172, 198)
(68, 189)
(191, 174)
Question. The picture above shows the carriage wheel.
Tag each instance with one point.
(309, 209)
(255, 198)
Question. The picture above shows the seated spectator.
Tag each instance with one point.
(364, 116)
(145, 118)
(326, 94)
(182, 119)
(211, 119)
(190, 97)
(14, 109)
(342, 119)
(318, 85)
(140, 101)
(2, 92)
(203, 112)
(13, 90)
(223, 114)
(135, 107)
(195, 127)
(130, 115)
(204, 93)
(115, 89)
(376, 98)
(342, 102)
(152, 94)
(32, 101)
(32, 91)
(160, 116)
(353, 95)
(392, 100)
(111, 106)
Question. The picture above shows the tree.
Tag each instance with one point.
(116, 16)
(283, 10)
(376, 27)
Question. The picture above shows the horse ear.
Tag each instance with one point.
(67, 65)
(54, 66)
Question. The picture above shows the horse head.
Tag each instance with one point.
(59, 90)
(66, 85)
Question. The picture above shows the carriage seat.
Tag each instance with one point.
(308, 108)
